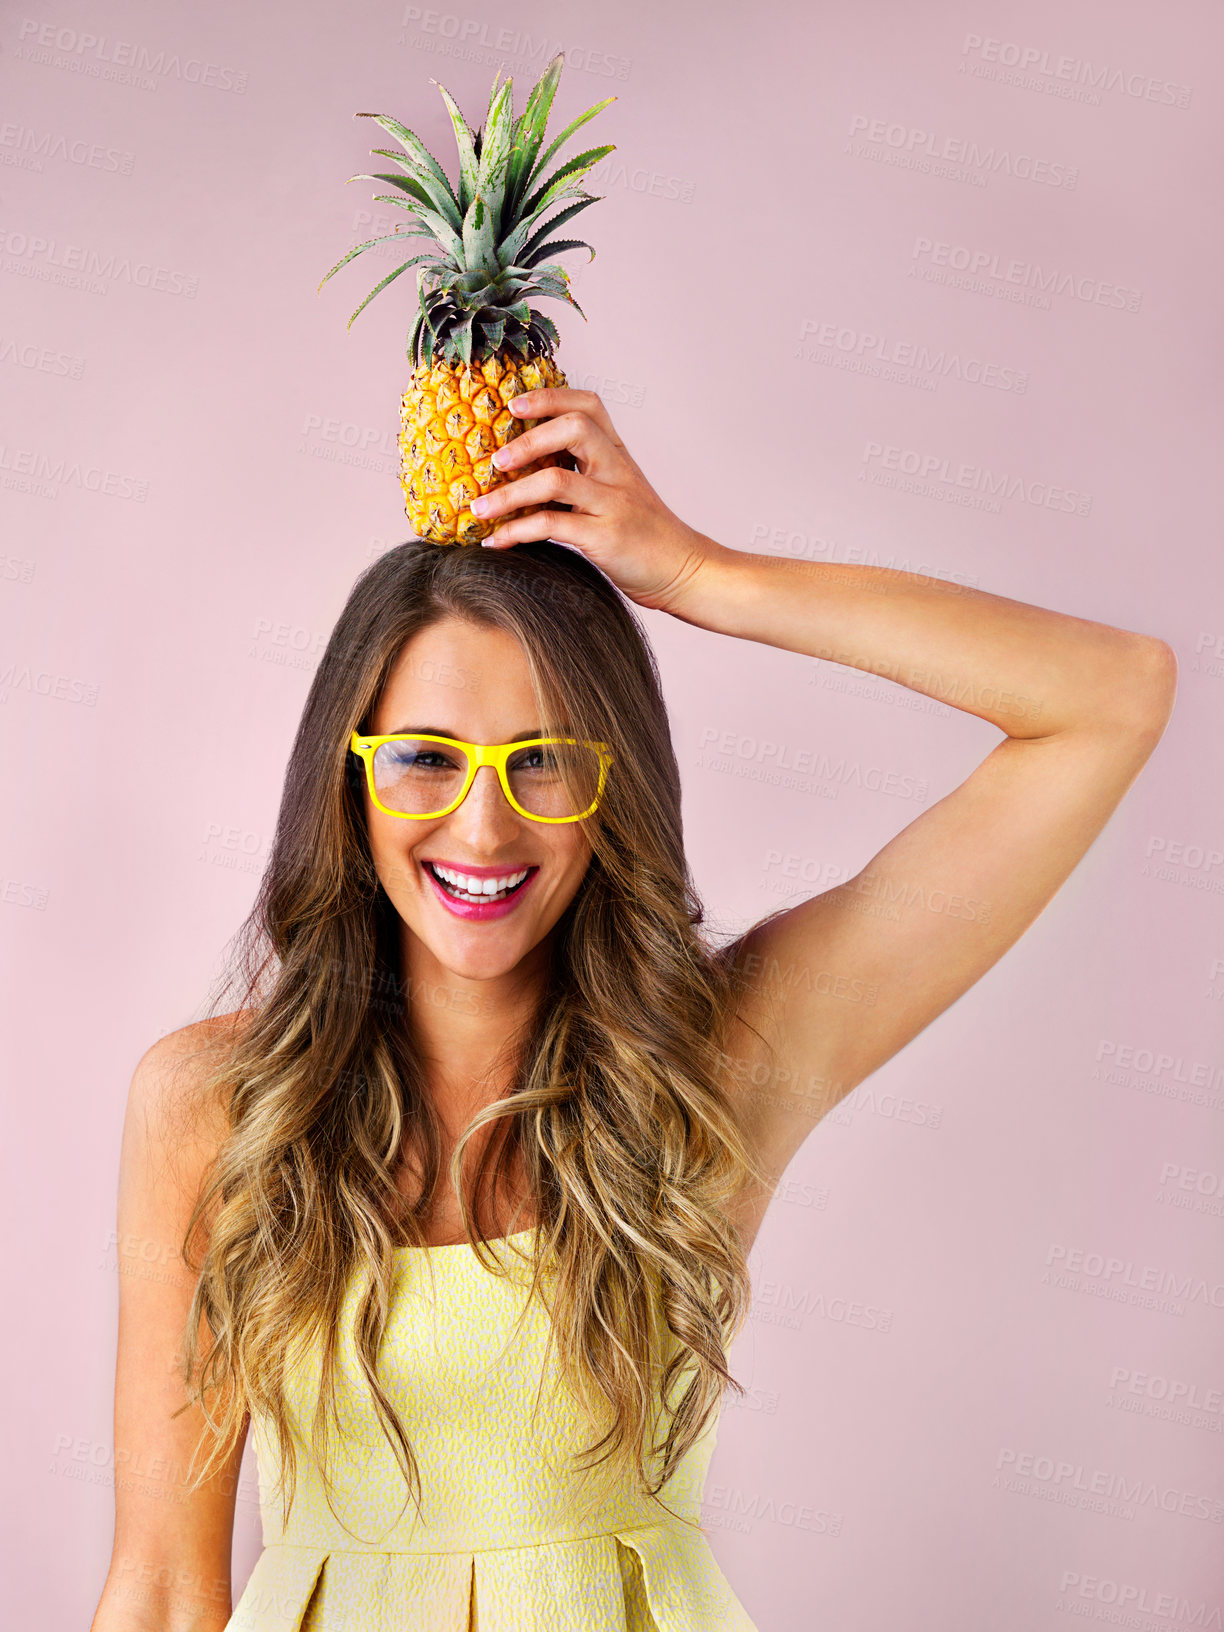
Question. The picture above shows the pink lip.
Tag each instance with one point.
(473, 871)
(485, 909)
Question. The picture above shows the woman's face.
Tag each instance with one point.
(462, 679)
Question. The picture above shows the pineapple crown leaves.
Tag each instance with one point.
(489, 236)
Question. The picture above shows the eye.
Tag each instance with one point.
(419, 756)
(537, 758)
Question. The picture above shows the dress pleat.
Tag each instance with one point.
(509, 1538)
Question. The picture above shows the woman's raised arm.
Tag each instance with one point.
(1081, 705)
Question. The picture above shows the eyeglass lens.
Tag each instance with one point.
(416, 777)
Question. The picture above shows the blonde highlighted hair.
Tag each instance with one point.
(618, 1116)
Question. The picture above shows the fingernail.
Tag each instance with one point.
(516, 403)
(499, 458)
(479, 506)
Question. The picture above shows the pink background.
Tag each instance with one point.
(985, 1364)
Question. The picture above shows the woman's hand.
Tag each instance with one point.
(616, 518)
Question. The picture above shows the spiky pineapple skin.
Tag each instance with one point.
(453, 418)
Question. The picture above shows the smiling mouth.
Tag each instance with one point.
(457, 885)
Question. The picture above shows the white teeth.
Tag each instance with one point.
(479, 886)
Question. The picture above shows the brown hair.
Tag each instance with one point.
(618, 1115)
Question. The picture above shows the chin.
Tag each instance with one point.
(470, 957)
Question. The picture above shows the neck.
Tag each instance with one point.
(468, 1031)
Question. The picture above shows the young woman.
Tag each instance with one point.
(466, 1181)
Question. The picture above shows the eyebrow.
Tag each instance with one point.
(441, 731)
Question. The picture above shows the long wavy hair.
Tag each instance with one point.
(619, 1115)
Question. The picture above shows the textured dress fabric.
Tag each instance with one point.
(509, 1538)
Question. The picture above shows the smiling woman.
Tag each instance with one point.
(474, 1004)
(476, 1007)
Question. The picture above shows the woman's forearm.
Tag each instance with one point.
(1030, 672)
(1027, 670)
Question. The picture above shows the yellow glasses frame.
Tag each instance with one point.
(478, 754)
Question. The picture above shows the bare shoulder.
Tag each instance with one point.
(177, 1115)
(173, 1074)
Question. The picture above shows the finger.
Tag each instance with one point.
(563, 526)
(560, 399)
(574, 432)
(552, 484)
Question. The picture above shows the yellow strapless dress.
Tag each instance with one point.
(510, 1538)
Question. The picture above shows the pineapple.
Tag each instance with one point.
(476, 342)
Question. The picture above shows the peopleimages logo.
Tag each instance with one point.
(940, 477)
(1125, 1602)
(984, 57)
(100, 57)
(940, 153)
(641, 180)
(988, 272)
(863, 349)
(474, 39)
(27, 148)
(342, 442)
(79, 266)
(66, 688)
(1080, 1268)
(30, 470)
(810, 769)
(1108, 1490)
(1163, 1390)
(46, 359)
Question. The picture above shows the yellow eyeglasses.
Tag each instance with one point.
(548, 779)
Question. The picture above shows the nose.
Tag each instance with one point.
(485, 814)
